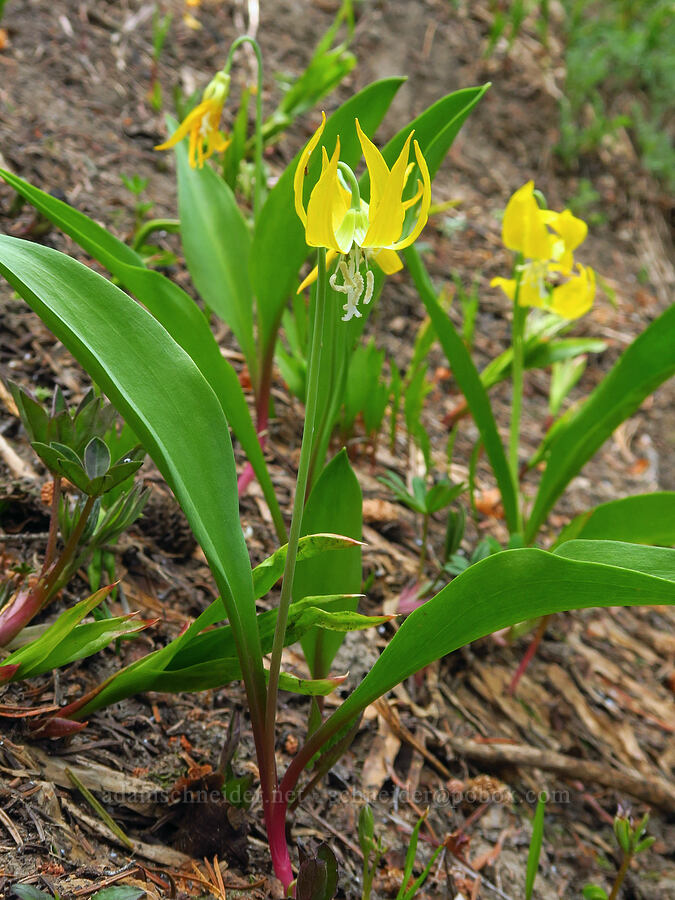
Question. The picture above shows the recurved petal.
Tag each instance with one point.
(572, 231)
(508, 285)
(192, 120)
(377, 167)
(388, 260)
(425, 202)
(319, 230)
(575, 297)
(523, 228)
(314, 274)
(387, 216)
(299, 179)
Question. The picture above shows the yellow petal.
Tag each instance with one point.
(572, 232)
(523, 228)
(377, 168)
(425, 203)
(192, 120)
(299, 179)
(388, 260)
(314, 274)
(319, 229)
(508, 285)
(387, 216)
(575, 297)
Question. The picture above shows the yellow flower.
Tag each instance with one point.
(202, 124)
(547, 241)
(337, 218)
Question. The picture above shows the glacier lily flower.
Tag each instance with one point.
(546, 240)
(202, 124)
(357, 232)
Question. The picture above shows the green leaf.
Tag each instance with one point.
(279, 247)
(535, 845)
(120, 892)
(270, 570)
(500, 591)
(175, 310)
(645, 364)
(336, 503)
(643, 519)
(217, 247)
(466, 375)
(656, 561)
(31, 658)
(158, 389)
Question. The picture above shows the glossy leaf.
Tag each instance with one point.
(642, 519)
(270, 570)
(335, 502)
(502, 590)
(159, 390)
(217, 246)
(175, 310)
(644, 365)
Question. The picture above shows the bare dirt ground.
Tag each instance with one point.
(74, 115)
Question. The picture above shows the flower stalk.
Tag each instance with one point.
(275, 806)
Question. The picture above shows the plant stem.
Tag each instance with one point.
(519, 316)
(51, 578)
(53, 524)
(279, 804)
(620, 875)
(257, 162)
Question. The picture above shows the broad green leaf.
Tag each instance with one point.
(468, 378)
(81, 228)
(502, 590)
(656, 561)
(217, 247)
(336, 503)
(643, 519)
(279, 247)
(160, 391)
(175, 310)
(270, 570)
(645, 364)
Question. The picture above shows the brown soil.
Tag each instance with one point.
(74, 115)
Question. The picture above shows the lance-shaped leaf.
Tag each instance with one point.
(217, 246)
(174, 309)
(160, 391)
(270, 570)
(467, 377)
(643, 519)
(500, 591)
(644, 365)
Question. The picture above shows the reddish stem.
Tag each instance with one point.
(529, 655)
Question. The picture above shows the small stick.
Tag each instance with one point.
(654, 790)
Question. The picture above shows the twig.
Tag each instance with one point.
(654, 790)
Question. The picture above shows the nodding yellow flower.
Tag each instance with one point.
(547, 241)
(337, 218)
(202, 124)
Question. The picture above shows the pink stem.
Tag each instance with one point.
(529, 655)
(262, 405)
